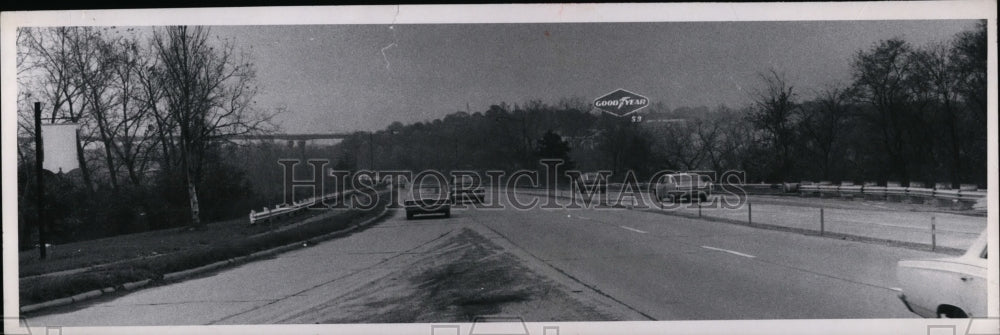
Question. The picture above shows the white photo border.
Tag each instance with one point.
(511, 13)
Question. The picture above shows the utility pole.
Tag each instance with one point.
(39, 186)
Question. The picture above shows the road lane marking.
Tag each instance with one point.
(729, 251)
(635, 230)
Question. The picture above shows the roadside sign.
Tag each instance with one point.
(621, 102)
(59, 147)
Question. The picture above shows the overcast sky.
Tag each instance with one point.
(334, 78)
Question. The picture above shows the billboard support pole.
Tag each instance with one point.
(39, 186)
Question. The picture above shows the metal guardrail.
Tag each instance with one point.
(968, 193)
(284, 210)
(874, 190)
(851, 189)
(893, 189)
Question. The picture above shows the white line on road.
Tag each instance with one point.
(633, 229)
(729, 251)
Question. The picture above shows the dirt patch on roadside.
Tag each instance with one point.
(462, 278)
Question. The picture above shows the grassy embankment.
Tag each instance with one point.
(84, 266)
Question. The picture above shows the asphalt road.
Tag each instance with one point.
(639, 265)
(671, 268)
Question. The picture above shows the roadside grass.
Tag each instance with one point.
(122, 259)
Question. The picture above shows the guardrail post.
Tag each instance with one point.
(821, 222)
(933, 233)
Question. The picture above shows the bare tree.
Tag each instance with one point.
(680, 144)
(208, 91)
(823, 126)
(774, 112)
(968, 60)
(709, 131)
(880, 76)
(150, 93)
(46, 67)
(93, 58)
(933, 84)
(131, 120)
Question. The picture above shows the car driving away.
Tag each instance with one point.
(464, 188)
(946, 287)
(678, 186)
(428, 197)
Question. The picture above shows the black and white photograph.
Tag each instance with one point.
(502, 169)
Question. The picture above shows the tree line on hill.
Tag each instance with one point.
(911, 113)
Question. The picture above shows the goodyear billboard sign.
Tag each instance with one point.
(621, 102)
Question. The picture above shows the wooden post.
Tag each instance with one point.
(39, 182)
(749, 212)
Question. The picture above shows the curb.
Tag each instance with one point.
(174, 276)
